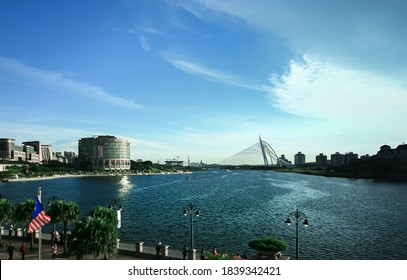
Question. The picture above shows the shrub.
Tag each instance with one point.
(269, 244)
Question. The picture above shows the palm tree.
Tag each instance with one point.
(66, 212)
(6, 211)
(96, 234)
(24, 213)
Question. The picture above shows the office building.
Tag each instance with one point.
(321, 160)
(337, 159)
(299, 159)
(107, 153)
(350, 156)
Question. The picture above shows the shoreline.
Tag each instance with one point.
(39, 178)
(391, 177)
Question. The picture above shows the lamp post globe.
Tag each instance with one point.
(299, 216)
(192, 210)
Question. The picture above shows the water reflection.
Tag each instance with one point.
(125, 186)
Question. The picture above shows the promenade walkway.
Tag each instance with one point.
(47, 254)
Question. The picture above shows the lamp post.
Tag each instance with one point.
(299, 216)
(118, 208)
(193, 210)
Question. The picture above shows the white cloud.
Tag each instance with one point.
(145, 46)
(20, 74)
(213, 74)
(313, 88)
(368, 35)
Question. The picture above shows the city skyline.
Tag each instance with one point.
(252, 155)
(204, 78)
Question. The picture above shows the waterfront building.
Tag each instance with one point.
(6, 148)
(38, 152)
(284, 159)
(46, 153)
(387, 152)
(69, 157)
(299, 159)
(174, 162)
(58, 156)
(337, 159)
(31, 151)
(10, 151)
(350, 156)
(106, 152)
(365, 157)
(321, 160)
(31, 155)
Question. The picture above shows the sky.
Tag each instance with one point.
(204, 78)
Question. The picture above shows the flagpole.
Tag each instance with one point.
(40, 232)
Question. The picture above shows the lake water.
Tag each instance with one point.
(349, 219)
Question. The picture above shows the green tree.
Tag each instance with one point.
(6, 211)
(24, 214)
(96, 234)
(269, 244)
(65, 212)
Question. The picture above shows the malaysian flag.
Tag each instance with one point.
(40, 218)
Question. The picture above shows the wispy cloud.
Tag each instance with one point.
(315, 89)
(144, 44)
(213, 75)
(53, 81)
(366, 35)
(351, 61)
(147, 28)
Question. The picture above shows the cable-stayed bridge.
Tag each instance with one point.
(260, 153)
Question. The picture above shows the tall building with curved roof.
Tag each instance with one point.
(104, 153)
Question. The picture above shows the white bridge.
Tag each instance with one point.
(260, 153)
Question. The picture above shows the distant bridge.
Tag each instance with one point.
(260, 153)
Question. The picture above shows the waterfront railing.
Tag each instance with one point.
(137, 249)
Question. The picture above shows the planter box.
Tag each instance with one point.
(268, 255)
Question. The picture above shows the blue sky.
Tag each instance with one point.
(205, 78)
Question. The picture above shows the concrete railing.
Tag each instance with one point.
(140, 248)
(136, 249)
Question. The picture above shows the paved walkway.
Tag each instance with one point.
(46, 251)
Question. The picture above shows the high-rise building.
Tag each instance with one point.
(104, 153)
(337, 159)
(70, 157)
(321, 160)
(6, 146)
(284, 159)
(9, 150)
(350, 156)
(299, 159)
(387, 152)
(43, 152)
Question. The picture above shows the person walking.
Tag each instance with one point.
(23, 251)
(185, 252)
(10, 251)
(10, 231)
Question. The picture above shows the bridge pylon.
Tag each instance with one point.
(270, 157)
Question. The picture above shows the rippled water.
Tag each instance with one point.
(349, 219)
